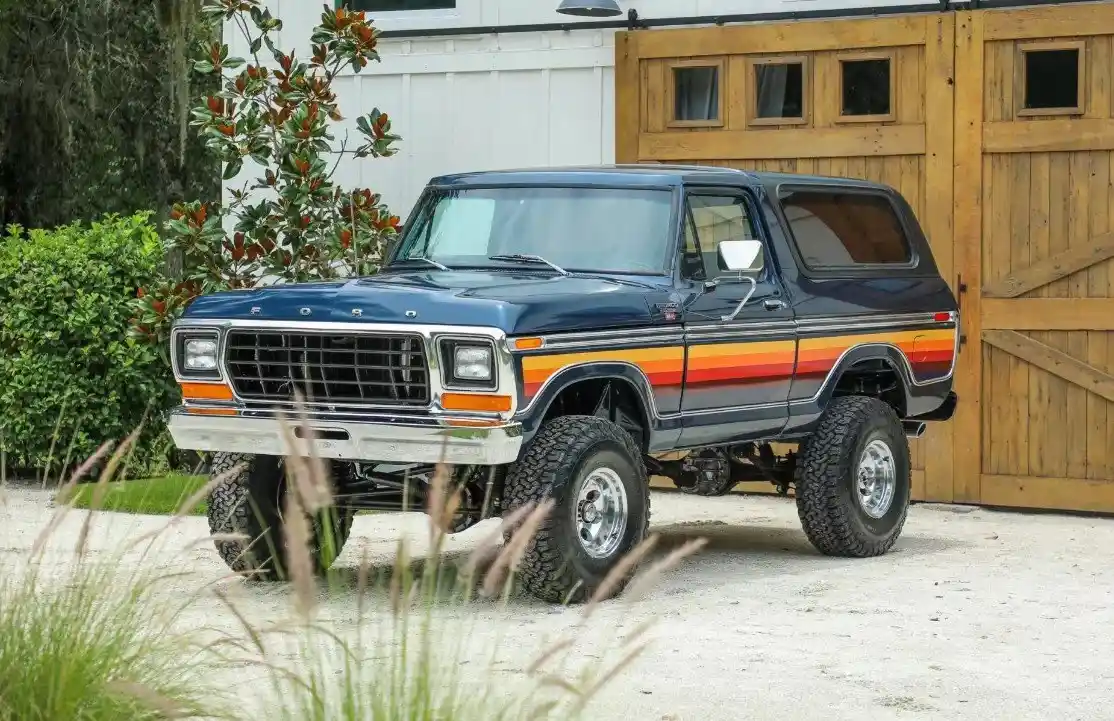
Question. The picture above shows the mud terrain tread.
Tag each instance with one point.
(544, 468)
(823, 466)
(231, 511)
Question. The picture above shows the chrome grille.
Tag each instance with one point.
(379, 368)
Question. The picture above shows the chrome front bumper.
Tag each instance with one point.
(353, 440)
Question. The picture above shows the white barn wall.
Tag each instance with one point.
(479, 102)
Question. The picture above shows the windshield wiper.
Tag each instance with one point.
(522, 258)
(432, 262)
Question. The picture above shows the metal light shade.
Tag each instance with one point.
(590, 8)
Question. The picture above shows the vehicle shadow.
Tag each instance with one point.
(764, 540)
(757, 551)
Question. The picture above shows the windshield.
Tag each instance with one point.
(617, 230)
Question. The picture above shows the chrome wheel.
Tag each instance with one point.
(601, 513)
(876, 479)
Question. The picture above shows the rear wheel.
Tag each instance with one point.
(251, 503)
(852, 481)
(597, 479)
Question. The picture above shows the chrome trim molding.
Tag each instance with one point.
(605, 338)
(507, 383)
(719, 331)
(888, 318)
(446, 364)
(386, 442)
(176, 333)
(661, 341)
(735, 336)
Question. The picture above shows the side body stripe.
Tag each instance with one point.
(719, 357)
(929, 351)
(734, 363)
(663, 366)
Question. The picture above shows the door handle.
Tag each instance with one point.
(773, 304)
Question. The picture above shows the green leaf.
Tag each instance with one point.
(233, 63)
(256, 44)
(232, 168)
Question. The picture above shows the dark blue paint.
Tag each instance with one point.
(519, 301)
(534, 300)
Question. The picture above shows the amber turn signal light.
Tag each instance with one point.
(475, 402)
(206, 392)
(528, 343)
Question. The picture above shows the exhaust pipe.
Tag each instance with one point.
(914, 429)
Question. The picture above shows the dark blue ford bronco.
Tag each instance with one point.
(568, 333)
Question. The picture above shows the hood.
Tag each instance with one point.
(516, 302)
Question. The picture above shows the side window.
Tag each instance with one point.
(835, 229)
(712, 219)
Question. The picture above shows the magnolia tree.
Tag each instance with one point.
(292, 222)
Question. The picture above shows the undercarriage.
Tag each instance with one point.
(393, 487)
(702, 472)
(717, 471)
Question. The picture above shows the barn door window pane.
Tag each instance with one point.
(694, 94)
(1051, 78)
(380, 6)
(779, 94)
(866, 88)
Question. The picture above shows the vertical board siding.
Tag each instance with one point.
(1038, 205)
(1046, 440)
(905, 172)
(1036, 424)
(1015, 192)
(482, 117)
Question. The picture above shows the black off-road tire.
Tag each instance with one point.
(250, 503)
(556, 463)
(825, 482)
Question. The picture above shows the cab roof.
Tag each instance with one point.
(635, 176)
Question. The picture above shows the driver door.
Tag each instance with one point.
(740, 337)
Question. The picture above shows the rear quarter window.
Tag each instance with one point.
(837, 229)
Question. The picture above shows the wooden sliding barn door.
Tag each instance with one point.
(863, 98)
(1035, 238)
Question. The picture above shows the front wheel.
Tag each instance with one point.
(852, 481)
(250, 503)
(595, 474)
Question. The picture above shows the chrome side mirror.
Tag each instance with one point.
(741, 256)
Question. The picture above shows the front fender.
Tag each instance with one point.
(531, 415)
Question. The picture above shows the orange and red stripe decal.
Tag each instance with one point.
(751, 362)
(662, 366)
(930, 352)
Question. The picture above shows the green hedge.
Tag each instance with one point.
(69, 375)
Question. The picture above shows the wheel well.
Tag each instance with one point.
(613, 398)
(875, 377)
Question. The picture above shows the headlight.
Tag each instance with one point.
(468, 364)
(199, 356)
(472, 363)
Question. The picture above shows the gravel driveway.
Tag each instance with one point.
(974, 615)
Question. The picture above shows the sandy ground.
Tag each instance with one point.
(975, 614)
